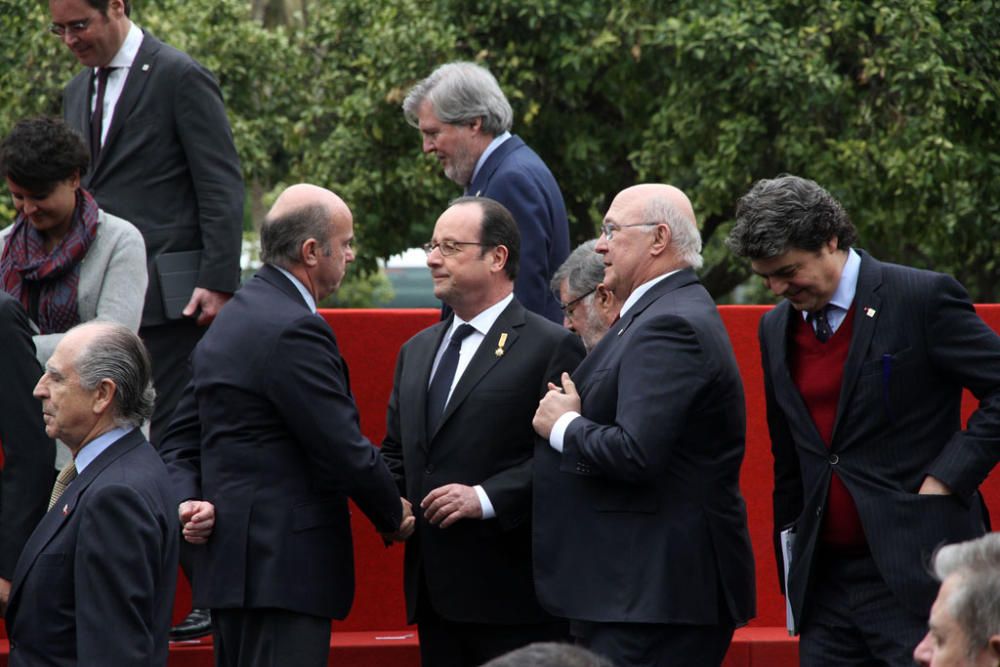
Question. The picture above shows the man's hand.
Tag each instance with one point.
(197, 520)
(4, 595)
(447, 504)
(932, 486)
(554, 405)
(206, 303)
(406, 526)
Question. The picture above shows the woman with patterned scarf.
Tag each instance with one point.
(64, 259)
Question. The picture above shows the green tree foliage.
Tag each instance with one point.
(892, 106)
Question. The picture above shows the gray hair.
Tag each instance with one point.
(684, 234)
(973, 602)
(281, 237)
(460, 93)
(549, 654)
(583, 270)
(117, 354)
(785, 213)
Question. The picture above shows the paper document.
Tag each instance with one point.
(787, 542)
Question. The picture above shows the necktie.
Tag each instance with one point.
(97, 117)
(821, 324)
(66, 475)
(437, 393)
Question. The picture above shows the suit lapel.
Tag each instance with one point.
(486, 357)
(420, 379)
(135, 84)
(53, 521)
(866, 300)
(482, 179)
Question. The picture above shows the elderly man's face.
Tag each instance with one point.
(582, 316)
(946, 643)
(70, 412)
(453, 145)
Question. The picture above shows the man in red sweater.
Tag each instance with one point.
(864, 365)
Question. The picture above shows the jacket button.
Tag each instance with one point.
(819, 511)
(834, 459)
(429, 469)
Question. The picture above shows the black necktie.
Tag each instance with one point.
(97, 117)
(821, 324)
(437, 393)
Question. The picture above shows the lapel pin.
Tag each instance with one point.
(145, 68)
(479, 194)
(500, 344)
(66, 509)
(870, 312)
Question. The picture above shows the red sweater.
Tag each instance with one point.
(818, 372)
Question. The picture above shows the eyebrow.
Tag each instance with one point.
(784, 269)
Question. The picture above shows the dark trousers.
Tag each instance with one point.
(446, 643)
(269, 638)
(852, 618)
(656, 644)
(170, 346)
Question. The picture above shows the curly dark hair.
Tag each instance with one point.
(788, 212)
(39, 153)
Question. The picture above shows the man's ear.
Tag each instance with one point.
(498, 257)
(105, 394)
(309, 252)
(994, 646)
(661, 239)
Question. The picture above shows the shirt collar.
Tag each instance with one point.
(129, 49)
(642, 289)
(95, 447)
(485, 320)
(310, 301)
(495, 144)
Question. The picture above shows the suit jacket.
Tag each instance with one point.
(915, 344)
(476, 571)
(26, 478)
(95, 584)
(168, 165)
(641, 519)
(516, 177)
(268, 431)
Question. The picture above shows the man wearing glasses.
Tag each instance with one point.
(460, 444)
(162, 157)
(588, 306)
(640, 528)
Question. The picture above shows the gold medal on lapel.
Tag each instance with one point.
(500, 344)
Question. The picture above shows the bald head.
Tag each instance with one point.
(653, 231)
(309, 232)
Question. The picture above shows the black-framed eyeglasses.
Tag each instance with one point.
(609, 228)
(569, 306)
(73, 27)
(449, 247)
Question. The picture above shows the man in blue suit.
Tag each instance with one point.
(95, 582)
(465, 121)
(265, 449)
(864, 365)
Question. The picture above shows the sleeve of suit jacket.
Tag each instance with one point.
(965, 348)
(27, 477)
(120, 541)
(204, 133)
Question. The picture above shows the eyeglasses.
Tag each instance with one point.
(568, 307)
(609, 228)
(73, 27)
(448, 247)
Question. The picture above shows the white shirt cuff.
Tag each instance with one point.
(484, 501)
(559, 430)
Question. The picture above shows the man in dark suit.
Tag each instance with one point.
(162, 157)
(465, 121)
(265, 449)
(95, 582)
(640, 528)
(864, 365)
(26, 478)
(459, 443)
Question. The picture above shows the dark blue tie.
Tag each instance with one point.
(437, 393)
(821, 324)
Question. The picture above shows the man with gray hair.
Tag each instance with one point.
(265, 449)
(588, 306)
(964, 628)
(640, 531)
(864, 366)
(95, 582)
(465, 120)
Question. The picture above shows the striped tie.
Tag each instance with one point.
(66, 475)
